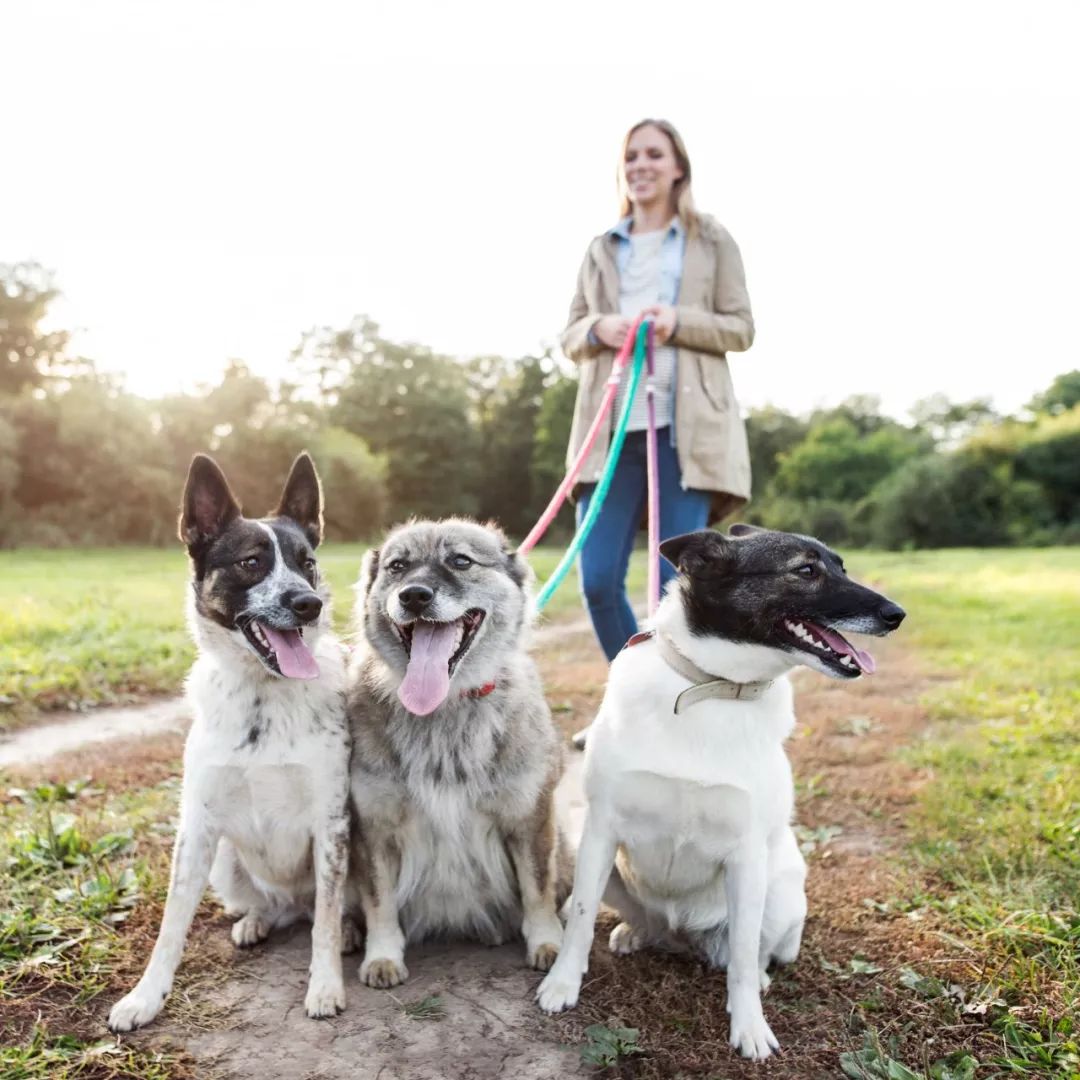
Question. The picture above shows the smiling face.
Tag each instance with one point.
(441, 600)
(782, 591)
(256, 582)
(650, 168)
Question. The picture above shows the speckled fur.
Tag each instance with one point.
(455, 827)
(264, 801)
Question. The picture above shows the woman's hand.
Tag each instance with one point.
(665, 319)
(611, 330)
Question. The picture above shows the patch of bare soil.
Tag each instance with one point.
(467, 1011)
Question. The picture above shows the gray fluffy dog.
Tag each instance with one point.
(455, 758)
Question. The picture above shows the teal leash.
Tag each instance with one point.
(604, 483)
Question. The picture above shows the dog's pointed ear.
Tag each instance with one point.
(742, 529)
(301, 498)
(369, 569)
(517, 567)
(208, 503)
(691, 552)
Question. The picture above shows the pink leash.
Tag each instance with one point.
(652, 468)
(610, 389)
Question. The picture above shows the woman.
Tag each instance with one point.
(682, 268)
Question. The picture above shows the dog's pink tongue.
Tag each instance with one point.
(844, 647)
(294, 658)
(427, 678)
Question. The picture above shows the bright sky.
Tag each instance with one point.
(209, 180)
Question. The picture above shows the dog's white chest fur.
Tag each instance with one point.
(261, 759)
(685, 791)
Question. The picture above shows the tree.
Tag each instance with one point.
(950, 422)
(1050, 457)
(837, 461)
(1061, 395)
(30, 355)
(508, 398)
(548, 463)
(771, 432)
(412, 407)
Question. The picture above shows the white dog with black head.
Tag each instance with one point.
(690, 797)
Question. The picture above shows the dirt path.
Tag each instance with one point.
(247, 1019)
(37, 742)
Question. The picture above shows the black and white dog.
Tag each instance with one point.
(690, 797)
(264, 804)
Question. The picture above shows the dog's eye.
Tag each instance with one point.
(395, 566)
(309, 565)
(250, 563)
(809, 571)
(460, 562)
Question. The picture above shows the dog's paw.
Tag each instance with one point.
(351, 936)
(249, 930)
(543, 956)
(558, 992)
(752, 1036)
(765, 981)
(382, 973)
(325, 997)
(135, 1010)
(625, 939)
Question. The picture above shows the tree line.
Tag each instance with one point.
(399, 430)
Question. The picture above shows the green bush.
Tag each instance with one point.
(963, 499)
(1050, 457)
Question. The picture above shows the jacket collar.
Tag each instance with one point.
(621, 229)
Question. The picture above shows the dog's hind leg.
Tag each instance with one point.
(255, 913)
(633, 932)
(785, 904)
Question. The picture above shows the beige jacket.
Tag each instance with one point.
(713, 319)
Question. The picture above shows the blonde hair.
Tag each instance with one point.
(681, 198)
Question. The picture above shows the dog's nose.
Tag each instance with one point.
(414, 598)
(306, 605)
(892, 615)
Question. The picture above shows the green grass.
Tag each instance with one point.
(998, 826)
(996, 829)
(94, 627)
(71, 880)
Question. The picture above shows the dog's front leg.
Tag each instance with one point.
(534, 847)
(596, 857)
(745, 881)
(196, 841)
(378, 860)
(326, 990)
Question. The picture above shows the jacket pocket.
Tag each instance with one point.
(713, 380)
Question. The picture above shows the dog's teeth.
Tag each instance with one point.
(846, 661)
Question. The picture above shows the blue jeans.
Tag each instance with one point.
(606, 554)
